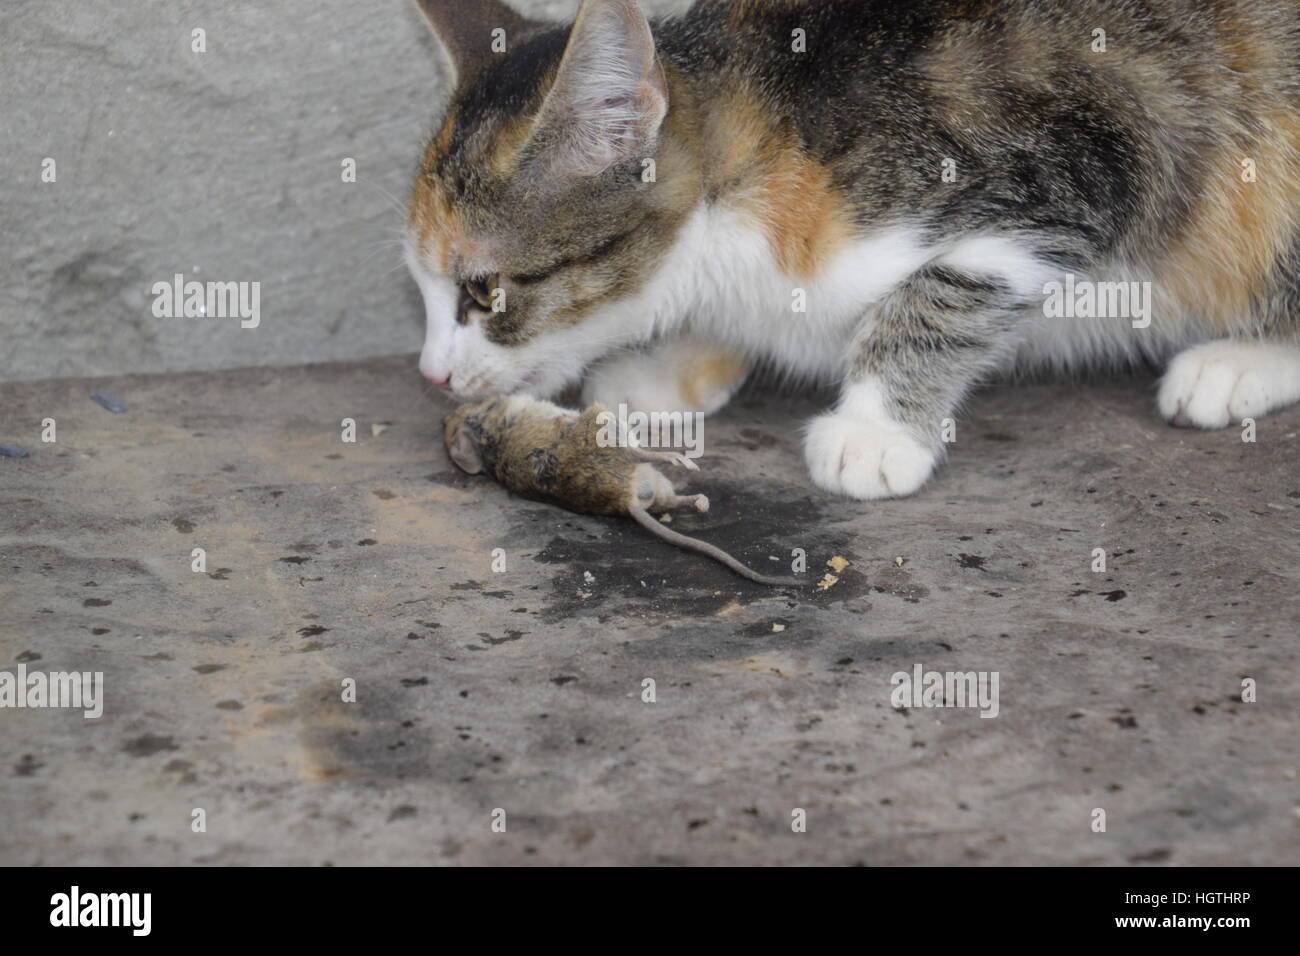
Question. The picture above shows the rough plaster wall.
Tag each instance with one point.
(223, 165)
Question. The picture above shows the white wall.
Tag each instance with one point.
(223, 165)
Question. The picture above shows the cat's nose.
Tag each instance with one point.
(442, 383)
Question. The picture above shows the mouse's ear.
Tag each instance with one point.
(464, 452)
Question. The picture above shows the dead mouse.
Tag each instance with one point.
(541, 451)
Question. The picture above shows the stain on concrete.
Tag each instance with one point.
(525, 689)
(148, 745)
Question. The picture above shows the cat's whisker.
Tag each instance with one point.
(375, 253)
(392, 200)
(400, 265)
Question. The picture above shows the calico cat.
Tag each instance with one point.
(657, 200)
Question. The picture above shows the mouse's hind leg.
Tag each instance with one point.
(667, 457)
(690, 502)
(657, 495)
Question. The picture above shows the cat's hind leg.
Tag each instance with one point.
(1219, 383)
(683, 374)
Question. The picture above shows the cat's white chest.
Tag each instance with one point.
(723, 279)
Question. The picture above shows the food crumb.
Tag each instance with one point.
(778, 627)
(837, 564)
(378, 428)
(827, 582)
(588, 577)
(898, 562)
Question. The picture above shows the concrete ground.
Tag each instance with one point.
(522, 691)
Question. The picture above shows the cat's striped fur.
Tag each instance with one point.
(680, 186)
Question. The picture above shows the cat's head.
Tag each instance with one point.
(541, 208)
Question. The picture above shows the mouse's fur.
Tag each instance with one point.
(541, 451)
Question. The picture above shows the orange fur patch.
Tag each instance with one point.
(802, 214)
(507, 144)
(709, 373)
(1227, 254)
(1225, 261)
(442, 142)
(790, 194)
(437, 225)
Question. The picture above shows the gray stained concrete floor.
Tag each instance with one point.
(522, 690)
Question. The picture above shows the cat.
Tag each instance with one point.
(650, 203)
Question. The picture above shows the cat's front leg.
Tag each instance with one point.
(864, 451)
(922, 350)
(685, 374)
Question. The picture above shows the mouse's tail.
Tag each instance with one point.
(655, 527)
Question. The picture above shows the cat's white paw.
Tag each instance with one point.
(682, 375)
(864, 458)
(1219, 383)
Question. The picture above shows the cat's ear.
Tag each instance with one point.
(609, 94)
(468, 31)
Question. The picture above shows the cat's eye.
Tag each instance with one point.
(475, 292)
(480, 289)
